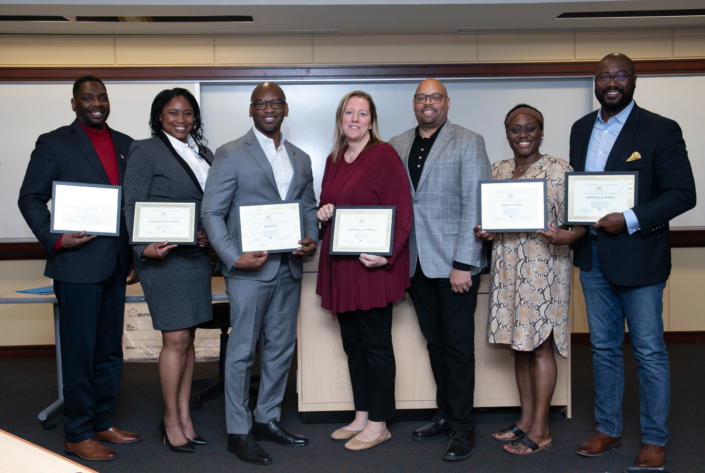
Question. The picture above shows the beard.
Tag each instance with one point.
(626, 99)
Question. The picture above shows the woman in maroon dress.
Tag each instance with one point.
(360, 290)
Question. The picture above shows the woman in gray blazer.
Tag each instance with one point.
(173, 166)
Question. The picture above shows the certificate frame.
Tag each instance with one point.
(570, 177)
(193, 231)
(238, 208)
(491, 226)
(339, 211)
(58, 227)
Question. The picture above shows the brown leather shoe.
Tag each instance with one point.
(598, 443)
(115, 435)
(90, 450)
(651, 456)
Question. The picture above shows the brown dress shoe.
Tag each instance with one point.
(90, 450)
(651, 456)
(115, 435)
(598, 443)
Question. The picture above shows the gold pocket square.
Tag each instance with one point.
(635, 156)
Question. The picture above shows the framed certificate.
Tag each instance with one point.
(514, 205)
(94, 208)
(275, 228)
(362, 229)
(157, 221)
(589, 196)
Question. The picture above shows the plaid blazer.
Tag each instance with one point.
(446, 206)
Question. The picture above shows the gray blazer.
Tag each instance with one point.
(157, 172)
(241, 174)
(446, 206)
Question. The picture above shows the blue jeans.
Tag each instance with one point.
(607, 307)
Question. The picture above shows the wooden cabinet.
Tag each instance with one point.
(324, 381)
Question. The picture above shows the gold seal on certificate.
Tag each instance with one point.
(514, 205)
(589, 196)
(275, 228)
(94, 208)
(157, 221)
(362, 229)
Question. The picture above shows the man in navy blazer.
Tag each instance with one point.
(89, 271)
(625, 258)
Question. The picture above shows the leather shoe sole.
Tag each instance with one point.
(593, 455)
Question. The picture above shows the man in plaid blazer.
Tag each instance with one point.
(445, 162)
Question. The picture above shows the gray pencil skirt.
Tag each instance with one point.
(177, 288)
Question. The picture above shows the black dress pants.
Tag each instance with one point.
(367, 340)
(447, 320)
(90, 327)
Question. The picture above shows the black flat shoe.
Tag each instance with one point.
(198, 440)
(185, 448)
(460, 446)
(246, 449)
(274, 432)
(436, 429)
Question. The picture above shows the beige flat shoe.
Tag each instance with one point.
(343, 434)
(355, 444)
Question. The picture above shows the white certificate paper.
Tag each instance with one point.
(174, 222)
(591, 196)
(90, 207)
(516, 205)
(276, 228)
(358, 230)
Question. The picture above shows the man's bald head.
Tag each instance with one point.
(267, 88)
(616, 58)
(431, 84)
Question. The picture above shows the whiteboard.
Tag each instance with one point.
(480, 105)
(31, 109)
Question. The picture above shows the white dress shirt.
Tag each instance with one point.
(189, 151)
(279, 160)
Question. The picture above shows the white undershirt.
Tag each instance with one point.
(279, 160)
(189, 151)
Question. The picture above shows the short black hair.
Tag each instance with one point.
(81, 80)
(161, 101)
(523, 105)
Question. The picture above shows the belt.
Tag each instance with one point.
(593, 237)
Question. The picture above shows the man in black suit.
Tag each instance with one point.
(625, 258)
(89, 272)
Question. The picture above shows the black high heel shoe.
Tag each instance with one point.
(185, 448)
(198, 440)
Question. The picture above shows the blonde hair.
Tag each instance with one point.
(339, 140)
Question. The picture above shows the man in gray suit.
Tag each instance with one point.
(445, 163)
(264, 290)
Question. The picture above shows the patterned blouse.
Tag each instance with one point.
(530, 278)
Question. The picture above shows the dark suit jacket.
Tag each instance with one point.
(666, 189)
(67, 154)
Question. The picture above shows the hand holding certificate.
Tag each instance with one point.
(516, 205)
(274, 228)
(92, 208)
(589, 196)
(362, 229)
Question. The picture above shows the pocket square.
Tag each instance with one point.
(635, 156)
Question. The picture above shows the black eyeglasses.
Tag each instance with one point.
(621, 77)
(262, 104)
(435, 98)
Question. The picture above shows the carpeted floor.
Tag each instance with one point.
(27, 386)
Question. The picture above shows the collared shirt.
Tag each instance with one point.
(418, 154)
(189, 151)
(603, 137)
(279, 160)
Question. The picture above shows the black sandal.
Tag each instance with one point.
(533, 447)
(518, 433)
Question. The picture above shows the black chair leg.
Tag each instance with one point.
(219, 382)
